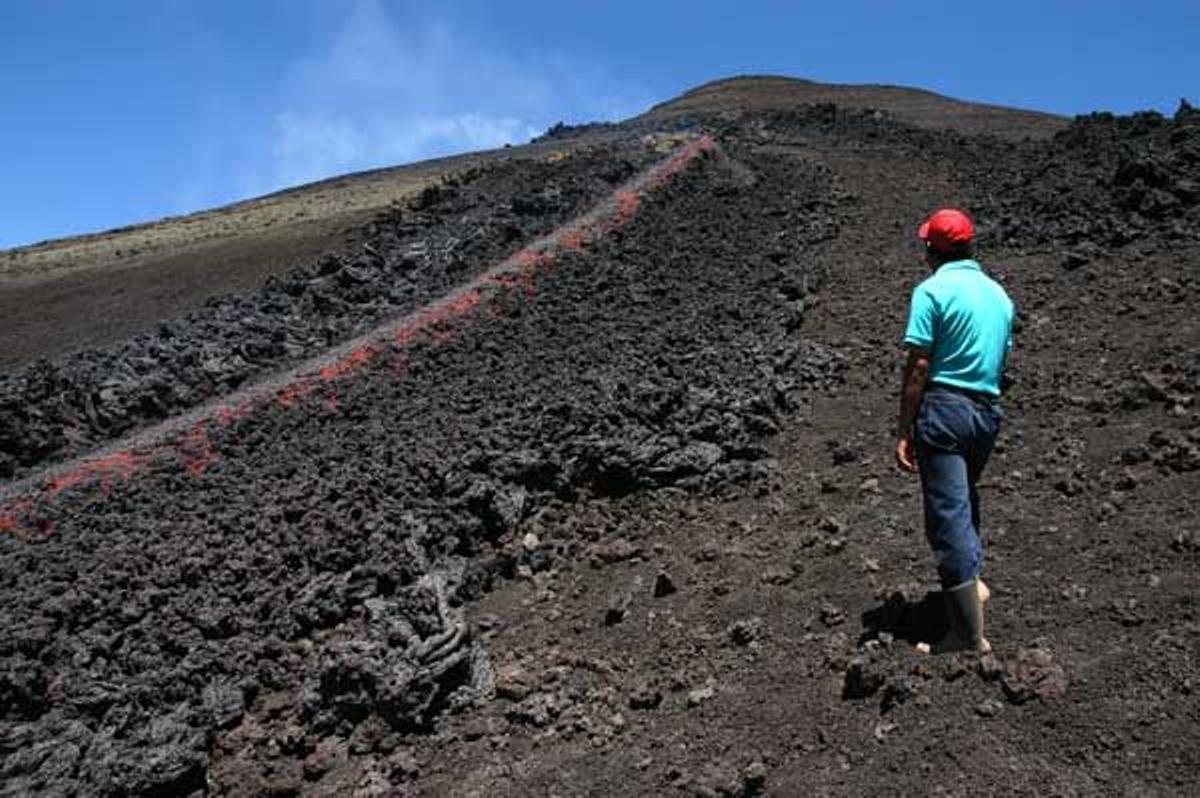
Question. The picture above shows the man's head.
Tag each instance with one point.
(948, 234)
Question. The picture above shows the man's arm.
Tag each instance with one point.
(916, 371)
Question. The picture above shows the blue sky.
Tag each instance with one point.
(129, 110)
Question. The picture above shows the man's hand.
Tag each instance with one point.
(911, 389)
(906, 454)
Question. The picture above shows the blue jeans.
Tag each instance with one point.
(954, 435)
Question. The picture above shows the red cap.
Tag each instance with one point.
(947, 230)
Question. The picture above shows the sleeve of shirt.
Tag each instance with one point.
(922, 320)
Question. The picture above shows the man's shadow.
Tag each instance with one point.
(912, 621)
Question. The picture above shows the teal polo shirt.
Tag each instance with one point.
(963, 319)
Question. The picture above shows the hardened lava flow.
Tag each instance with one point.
(186, 439)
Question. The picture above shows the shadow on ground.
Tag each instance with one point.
(904, 619)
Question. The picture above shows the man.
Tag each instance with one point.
(958, 336)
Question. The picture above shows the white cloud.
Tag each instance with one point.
(385, 90)
(307, 143)
(313, 145)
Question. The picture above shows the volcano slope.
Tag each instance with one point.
(629, 523)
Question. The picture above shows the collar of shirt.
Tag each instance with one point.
(954, 265)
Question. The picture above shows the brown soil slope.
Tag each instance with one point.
(97, 289)
(627, 522)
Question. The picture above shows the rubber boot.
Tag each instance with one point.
(964, 611)
(968, 599)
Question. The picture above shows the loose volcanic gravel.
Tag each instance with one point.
(1101, 183)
